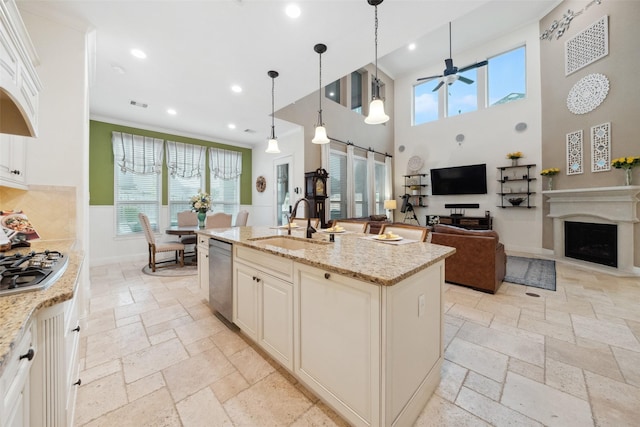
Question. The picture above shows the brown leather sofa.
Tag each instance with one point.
(479, 261)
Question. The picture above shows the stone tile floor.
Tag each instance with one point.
(152, 354)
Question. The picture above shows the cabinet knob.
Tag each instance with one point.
(327, 275)
(255, 278)
(15, 172)
(258, 279)
(28, 355)
(79, 382)
(76, 329)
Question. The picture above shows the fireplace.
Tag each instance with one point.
(591, 242)
(612, 215)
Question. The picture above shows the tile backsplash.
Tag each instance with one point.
(51, 209)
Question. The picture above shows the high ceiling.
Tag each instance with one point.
(196, 50)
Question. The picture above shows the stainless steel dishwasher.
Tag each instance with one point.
(221, 278)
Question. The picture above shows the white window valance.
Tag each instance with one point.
(225, 164)
(184, 160)
(137, 154)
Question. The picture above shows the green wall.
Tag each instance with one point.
(101, 162)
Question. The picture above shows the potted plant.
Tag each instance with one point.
(415, 190)
(550, 173)
(514, 157)
(626, 163)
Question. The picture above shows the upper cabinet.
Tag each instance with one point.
(19, 83)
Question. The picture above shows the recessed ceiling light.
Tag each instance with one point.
(292, 11)
(138, 53)
(172, 111)
(236, 88)
(412, 46)
(231, 126)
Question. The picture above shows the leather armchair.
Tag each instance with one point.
(479, 262)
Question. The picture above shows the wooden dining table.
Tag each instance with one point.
(186, 230)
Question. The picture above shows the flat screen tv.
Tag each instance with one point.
(459, 180)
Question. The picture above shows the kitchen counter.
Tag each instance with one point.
(18, 309)
(353, 255)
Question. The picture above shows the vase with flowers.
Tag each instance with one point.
(514, 157)
(626, 163)
(550, 173)
(201, 203)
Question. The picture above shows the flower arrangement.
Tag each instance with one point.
(201, 202)
(550, 172)
(625, 162)
(515, 155)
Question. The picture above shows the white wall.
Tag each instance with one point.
(59, 156)
(291, 144)
(489, 136)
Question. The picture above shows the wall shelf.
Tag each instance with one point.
(515, 183)
(416, 180)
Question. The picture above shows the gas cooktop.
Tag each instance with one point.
(33, 271)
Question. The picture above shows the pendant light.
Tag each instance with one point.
(376, 108)
(272, 148)
(321, 133)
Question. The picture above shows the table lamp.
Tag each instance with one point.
(390, 205)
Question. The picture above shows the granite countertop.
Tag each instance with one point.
(352, 254)
(17, 310)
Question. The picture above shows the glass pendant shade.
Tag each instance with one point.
(320, 136)
(376, 113)
(272, 148)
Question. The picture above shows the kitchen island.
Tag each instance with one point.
(358, 321)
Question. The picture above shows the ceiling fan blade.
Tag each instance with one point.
(464, 79)
(428, 78)
(472, 66)
(438, 87)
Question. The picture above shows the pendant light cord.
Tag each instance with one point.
(320, 93)
(273, 107)
(376, 42)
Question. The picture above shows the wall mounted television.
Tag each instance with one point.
(470, 179)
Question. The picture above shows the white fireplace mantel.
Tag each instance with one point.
(606, 205)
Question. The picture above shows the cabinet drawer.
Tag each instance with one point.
(203, 242)
(272, 264)
(17, 371)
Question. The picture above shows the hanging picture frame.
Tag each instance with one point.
(601, 148)
(574, 153)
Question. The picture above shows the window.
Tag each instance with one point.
(332, 91)
(337, 185)
(226, 169)
(137, 176)
(507, 77)
(425, 102)
(185, 163)
(360, 187)
(463, 97)
(379, 187)
(356, 92)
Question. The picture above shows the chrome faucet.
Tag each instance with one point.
(310, 229)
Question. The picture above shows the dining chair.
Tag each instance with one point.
(407, 231)
(218, 220)
(188, 218)
(155, 248)
(355, 226)
(302, 222)
(241, 218)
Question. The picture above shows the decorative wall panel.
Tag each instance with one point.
(574, 153)
(587, 46)
(601, 148)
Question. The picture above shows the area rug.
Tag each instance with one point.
(173, 271)
(538, 273)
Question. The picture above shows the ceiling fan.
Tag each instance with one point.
(450, 73)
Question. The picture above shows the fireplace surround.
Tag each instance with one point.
(602, 205)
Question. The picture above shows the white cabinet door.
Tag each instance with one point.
(203, 266)
(15, 383)
(13, 161)
(245, 300)
(337, 320)
(276, 320)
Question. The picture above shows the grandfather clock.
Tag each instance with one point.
(316, 193)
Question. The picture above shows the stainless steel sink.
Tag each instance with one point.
(288, 242)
